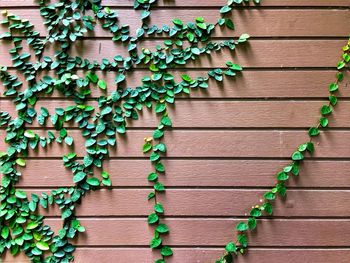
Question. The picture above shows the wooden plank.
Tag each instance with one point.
(209, 202)
(256, 53)
(220, 143)
(210, 255)
(146, 255)
(233, 114)
(194, 3)
(212, 143)
(213, 232)
(194, 173)
(276, 23)
(249, 84)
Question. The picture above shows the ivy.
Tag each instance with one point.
(22, 228)
(292, 169)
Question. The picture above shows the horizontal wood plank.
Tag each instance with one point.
(198, 255)
(258, 23)
(233, 114)
(194, 173)
(256, 53)
(211, 143)
(209, 202)
(213, 232)
(249, 84)
(194, 3)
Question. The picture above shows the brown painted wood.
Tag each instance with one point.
(220, 143)
(210, 255)
(122, 255)
(214, 232)
(320, 197)
(209, 202)
(233, 114)
(194, 3)
(249, 84)
(258, 53)
(259, 23)
(193, 173)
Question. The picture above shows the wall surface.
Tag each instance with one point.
(227, 143)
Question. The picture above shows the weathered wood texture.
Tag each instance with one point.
(228, 144)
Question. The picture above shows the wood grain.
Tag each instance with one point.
(194, 3)
(214, 232)
(259, 23)
(194, 173)
(256, 54)
(217, 167)
(250, 84)
(220, 143)
(233, 114)
(209, 202)
(198, 255)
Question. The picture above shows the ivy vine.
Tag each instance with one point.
(22, 228)
(292, 169)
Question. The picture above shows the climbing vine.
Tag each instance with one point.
(22, 228)
(292, 169)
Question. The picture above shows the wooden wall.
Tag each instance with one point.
(226, 144)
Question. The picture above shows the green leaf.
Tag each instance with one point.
(231, 247)
(333, 87)
(20, 194)
(159, 167)
(242, 226)
(159, 187)
(225, 9)
(147, 147)
(152, 218)
(92, 77)
(252, 223)
(229, 24)
(154, 157)
(324, 122)
(106, 182)
(166, 251)
(313, 131)
(269, 196)
(325, 110)
(29, 134)
(158, 134)
(21, 162)
(119, 78)
(102, 84)
(5, 231)
(333, 100)
(255, 212)
(88, 160)
(79, 177)
(42, 245)
(178, 22)
(243, 38)
(155, 242)
(234, 66)
(282, 176)
(297, 156)
(159, 208)
(32, 225)
(162, 228)
(93, 181)
(152, 177)
(68, 140)
(160, 107)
